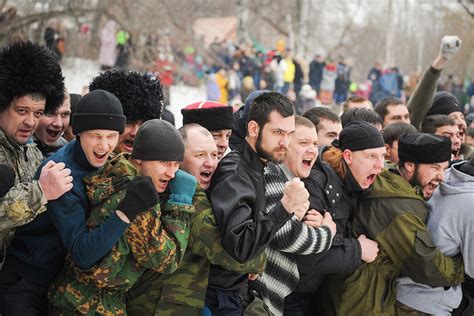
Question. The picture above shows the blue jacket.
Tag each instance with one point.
(39, 248)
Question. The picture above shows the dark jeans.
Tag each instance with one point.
(23, 298)
(224, 303)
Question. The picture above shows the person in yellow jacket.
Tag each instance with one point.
(289, 73)
(222, 82)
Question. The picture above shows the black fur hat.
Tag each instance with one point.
(424, 148)
(141, 95)
(27, 67)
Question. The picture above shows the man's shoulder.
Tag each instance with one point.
(229, 165)
(389, 184)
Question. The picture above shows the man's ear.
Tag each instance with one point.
(348, 156)
(253, 129)
(389, 151)
(410, 168)
(137, 163)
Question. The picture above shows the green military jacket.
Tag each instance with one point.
(394, 214)
(183, 292)
(156, 239)
(26, 199)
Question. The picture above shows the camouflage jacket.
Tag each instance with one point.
(184, 291)
(156, 239)
(26, 199)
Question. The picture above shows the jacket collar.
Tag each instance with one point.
(250, 156)
(6, 140)
(351, 183)
(288, 174)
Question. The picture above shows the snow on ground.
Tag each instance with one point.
(79, 72)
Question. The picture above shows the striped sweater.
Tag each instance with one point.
(294, 238)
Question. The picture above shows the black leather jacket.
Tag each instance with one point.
(237, 195)
(328, 192)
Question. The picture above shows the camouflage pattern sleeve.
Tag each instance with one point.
(158, 239)
(21, 205)
(205, 240)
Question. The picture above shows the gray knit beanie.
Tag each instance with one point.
(158, 140)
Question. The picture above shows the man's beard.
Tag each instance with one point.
(414, 179)
(262, 153)
(416, 183)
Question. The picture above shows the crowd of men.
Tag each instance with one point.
(107, 209)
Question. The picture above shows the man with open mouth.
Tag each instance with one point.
(394, 213)
(158, 233)
(48, 134)
(214, 116)
(31, 83)
(343, 172)
(188, 293)
(311, 235)
(39, 248)
(141, 97)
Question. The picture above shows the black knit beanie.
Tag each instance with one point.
(98, 109)
(359, 135)
(424, 148)
(7, 176)
(158, 140)
(444, 103)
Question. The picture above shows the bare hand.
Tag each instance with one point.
(313, 218)
(253, 277)
(327, 221)
(370, 248)
(295, 198)
(55, 180)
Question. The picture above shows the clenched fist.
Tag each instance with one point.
(55, 180)
(450, 45)
(295, 198)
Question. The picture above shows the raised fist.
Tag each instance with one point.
(450, 45)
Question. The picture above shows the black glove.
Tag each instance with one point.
(7, 176)
(141, 195)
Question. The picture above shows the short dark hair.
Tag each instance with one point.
(393, 131)
(382, 105)
(321, 112)
(431, 123)
(360, 114)
(353, 99)
(265, 104)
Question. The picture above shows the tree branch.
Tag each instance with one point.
(276, 25)
(20, 22)
(466, 8)
(345, 31)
